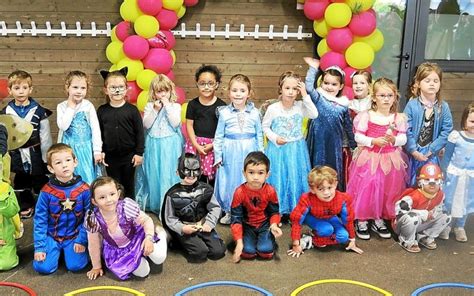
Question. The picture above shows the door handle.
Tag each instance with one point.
(406, 56)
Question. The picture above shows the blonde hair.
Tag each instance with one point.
(465, 114)
(385, 83)
(162, 83)
(423, 71)
(319, 174)
(19, 76)
(56, 148)
(284, 77)
(244, 80)
(77, 74)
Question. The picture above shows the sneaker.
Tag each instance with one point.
(445, 233)
(380, 228)
(428, 243)
(412, 249)
(362, 230)
(460, 234)
(226, 219)
(27, 214)
(306, 242)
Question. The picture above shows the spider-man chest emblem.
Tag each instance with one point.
(255, 201)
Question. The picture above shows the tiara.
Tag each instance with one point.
(338, 69)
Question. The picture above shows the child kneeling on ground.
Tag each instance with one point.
(326, 211)
(190, 213)
(419, 217)
(255, 212)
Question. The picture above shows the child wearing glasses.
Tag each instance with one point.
(163, 145)
(79, 127)
(378, 172)
(201, 119)
(122, 131)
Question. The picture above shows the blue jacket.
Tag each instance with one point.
(443, 125)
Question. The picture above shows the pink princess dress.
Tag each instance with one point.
(377, 175)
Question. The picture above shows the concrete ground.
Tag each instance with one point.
(384, 264)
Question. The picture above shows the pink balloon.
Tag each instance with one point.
(348, 73)
(181, 95)
(190, 2)
(170, 75)
(158, 60)
(315, 10)
(348, 92)
(372, 11)
(339, 39)
(332, 58)
(150, 7)
(363, 24)
(168, 19)
(184, 131)
(135, 47)
(338, 1)
(123, 30)
(169, 38)
(159, 41)
(3, 88)
(133, 91)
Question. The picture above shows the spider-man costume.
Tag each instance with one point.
(58, 224)
(332, 222)
(253, 211)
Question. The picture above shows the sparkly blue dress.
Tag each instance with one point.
(238, 133)
(326, 133)
(163, 146)
(289, 163)
(79, 137)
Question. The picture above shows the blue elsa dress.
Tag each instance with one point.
(163, 147)
(79, 137)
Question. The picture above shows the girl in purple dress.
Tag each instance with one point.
(124, 234)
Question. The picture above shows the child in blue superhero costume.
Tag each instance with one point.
(59, 217)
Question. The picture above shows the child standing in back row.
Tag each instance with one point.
(239, 131)
(361, 85)
(429, 118)
(28, 162)
(378, 172)
(201, 119)
(163, 145)
(122, 131)
(287, 149)
(79, 126)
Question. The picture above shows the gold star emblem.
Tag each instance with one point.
(67, 204)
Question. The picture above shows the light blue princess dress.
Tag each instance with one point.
(238, 133)
(163, 146)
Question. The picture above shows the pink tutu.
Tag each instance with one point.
(206, 160)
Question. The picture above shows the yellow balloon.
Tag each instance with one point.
(144, 78)
(181, 11)
(338, 15)
(113, 36)
(184, 107)
(173, 55)
(146, 26)
(113, 68)
(321, 28)
(172, 4)
(359, 55)
(300, 1)
(375, 40)
(322, 47)
(142, 100)
(114, 52)
(134, 67)
(304, 126)
(358, 6)
(130, 11)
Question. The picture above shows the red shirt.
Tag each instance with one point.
(309, 203)
(253, 207)
(420, 201)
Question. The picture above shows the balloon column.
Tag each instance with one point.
(349, 35)
(144, 43)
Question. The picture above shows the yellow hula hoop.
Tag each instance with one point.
(96, 288)
(351, 282)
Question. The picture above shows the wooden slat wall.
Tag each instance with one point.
(48, 59)
(458, 91)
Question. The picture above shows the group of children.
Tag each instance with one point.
(223, 165)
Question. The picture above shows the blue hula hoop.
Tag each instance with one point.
(441, 285)
(223, 283)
